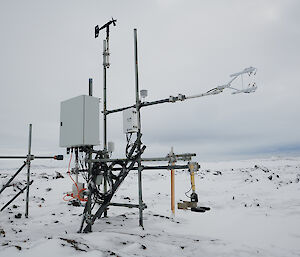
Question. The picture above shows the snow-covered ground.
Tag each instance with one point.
(255, 211)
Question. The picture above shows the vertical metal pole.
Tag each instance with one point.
(172, 161)
(28, 170)
(87, 209)
(173, 190)
(88, 204)
(104, 95)
(90, 86)
(139, 129)
(90, 157)
(105, 65)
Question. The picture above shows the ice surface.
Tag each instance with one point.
(255, 211)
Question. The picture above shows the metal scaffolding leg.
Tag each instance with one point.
(116, 181)
(12, 178)
(28, 171)
(20, 192)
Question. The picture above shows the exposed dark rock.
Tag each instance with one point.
(75, 244)
(18, 216)
(74, 202)
(58, 175)
(18, 247)
(2, 232)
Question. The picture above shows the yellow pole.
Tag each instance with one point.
(173, 190)
(193, 181)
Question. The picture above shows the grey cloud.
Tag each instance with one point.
(48, 53)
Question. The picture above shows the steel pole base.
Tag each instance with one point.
(88, 229)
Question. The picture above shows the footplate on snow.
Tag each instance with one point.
(186, 205)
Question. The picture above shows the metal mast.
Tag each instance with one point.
(28, 171)
(105, 66)
(140, 168)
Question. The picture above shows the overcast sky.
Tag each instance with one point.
(48, 52)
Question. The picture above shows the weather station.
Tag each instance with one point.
(103, 175)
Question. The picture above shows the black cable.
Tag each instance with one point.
(187, 192)
(128, 138)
